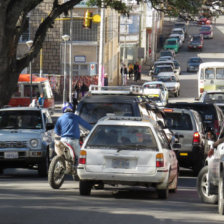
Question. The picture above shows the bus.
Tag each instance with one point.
(210, 76)
(21, 97)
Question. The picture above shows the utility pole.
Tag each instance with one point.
(70, 57)
(101, 52)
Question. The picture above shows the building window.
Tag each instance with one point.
(79, 33)
(81, 69)
(26, 34)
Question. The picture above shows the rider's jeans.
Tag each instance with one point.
(75, 145)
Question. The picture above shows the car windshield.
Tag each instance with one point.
(196, 38)
(214, 98)
(167, 79)
(178, 32)
(178, 121)
(20, 120)
(122, 137)
(163, 69)
(207, 28)
(92, 112)
(171, 42)
(195, 60)
(165, 53)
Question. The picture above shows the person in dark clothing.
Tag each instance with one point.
(136, 71)
(105, 80)
(84, 89)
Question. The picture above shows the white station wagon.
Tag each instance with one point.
(127, 151)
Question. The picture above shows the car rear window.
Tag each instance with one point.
(92, 112)
(178, 121)
(122, 137)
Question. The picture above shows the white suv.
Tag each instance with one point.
(128, 151)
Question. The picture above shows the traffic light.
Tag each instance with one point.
(87, 22)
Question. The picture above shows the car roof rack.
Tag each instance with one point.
(121, 90)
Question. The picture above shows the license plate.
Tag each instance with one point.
(120, 163)
(11, 155)
(183, 154)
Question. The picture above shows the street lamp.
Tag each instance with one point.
(29, 44)
(65, 38)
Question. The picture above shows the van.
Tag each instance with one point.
(23, 97)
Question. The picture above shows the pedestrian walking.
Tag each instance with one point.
(41, 100)
(136, 71)
(130, 70)
(124, 73)
(84, 89)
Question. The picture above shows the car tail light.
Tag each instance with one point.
(196, 138)
(82, 157)
(216, 127)
(159, 160)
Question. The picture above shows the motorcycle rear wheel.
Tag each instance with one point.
(56, 172)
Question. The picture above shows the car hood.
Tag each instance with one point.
(19, 135)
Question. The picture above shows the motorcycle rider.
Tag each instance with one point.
(67, 127)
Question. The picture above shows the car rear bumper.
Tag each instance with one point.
(119, 178)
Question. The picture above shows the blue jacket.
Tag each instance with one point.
(68, 125)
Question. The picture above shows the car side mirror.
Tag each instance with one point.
(49, 126)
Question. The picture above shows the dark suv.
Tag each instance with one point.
(188, 125)
(211, 114)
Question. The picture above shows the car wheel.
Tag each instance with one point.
(221, 196)
(85, 187)
(202, 187)
(163, 193)
(173, 184)
(43, 166)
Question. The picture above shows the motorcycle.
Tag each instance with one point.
(63, 163)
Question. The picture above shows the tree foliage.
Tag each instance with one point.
(13, 14)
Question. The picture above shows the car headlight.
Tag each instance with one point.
(34, 143)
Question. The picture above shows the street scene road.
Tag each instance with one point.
(28, 199)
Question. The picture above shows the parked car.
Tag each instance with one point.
(211, 114)
(177, 69)
(210, 181)
(181, 25)
(167, 53)
(178, 37)
(206, 31)
(188, 124)
(179, 31)
(204, 21)
(171, 43)
(193, 64)
(171, 81)
(26, 138)
(164, 62)
(161, 68)
(127, 151)
(196, 42)
(157, 92)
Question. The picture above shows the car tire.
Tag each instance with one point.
(221, 196)
(202, 187)
(43, 166)
(163, 193)
(56, 173)
(85, 187)
(173, 184)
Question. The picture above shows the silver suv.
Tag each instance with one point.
(26, 138)
(188, 125)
